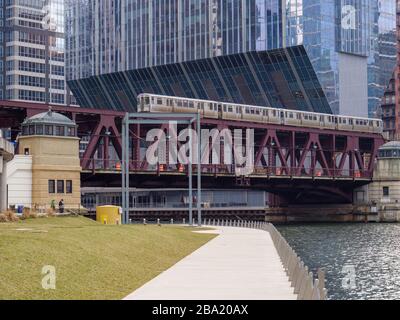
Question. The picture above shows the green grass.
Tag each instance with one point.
(92, 261)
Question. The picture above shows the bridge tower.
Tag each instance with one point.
(51, 140)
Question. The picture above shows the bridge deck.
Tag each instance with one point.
(239, 264)
(208, 174)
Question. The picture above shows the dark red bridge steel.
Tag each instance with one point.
(284, 155)
(91, 123)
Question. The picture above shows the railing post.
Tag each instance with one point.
(315, 295)
(321, 284)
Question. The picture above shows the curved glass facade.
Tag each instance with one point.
(119, 35)
(280, 78)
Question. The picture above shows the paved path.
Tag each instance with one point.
(239, 264)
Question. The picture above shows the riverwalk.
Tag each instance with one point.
(239, 264)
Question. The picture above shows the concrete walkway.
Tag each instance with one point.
(239, 264)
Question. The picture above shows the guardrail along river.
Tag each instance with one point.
(361, 261)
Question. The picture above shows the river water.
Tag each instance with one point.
(362, 261)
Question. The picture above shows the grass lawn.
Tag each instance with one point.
(92, 261)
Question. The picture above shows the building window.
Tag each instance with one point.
(49, 130)
(52, 186)
(60, 186)
(386, 191)
(39, 130)
(60, 131)
(71, 132)
(69, 186)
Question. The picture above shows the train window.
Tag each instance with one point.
(351, 121)
(274, 113)
(179, 103)
(147, 100)
(159, 101)
(191, 104)
(315, 118)
(247, 110)
(230, 109)
(224, 108)
(321, 119)
(185, 103)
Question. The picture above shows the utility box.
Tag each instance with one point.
(109, 215)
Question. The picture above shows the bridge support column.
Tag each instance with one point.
(105, 130)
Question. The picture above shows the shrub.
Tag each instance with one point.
(28, 214)
(8, 216)
(50, 213)
(3, 218)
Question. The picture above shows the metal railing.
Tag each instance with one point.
(215, 169)
(300, 277)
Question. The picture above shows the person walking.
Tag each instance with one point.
(61, 206)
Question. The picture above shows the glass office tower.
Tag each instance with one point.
(351, 43)
(32, 51)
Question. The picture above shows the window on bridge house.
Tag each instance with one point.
(386, 191)
(52, 186)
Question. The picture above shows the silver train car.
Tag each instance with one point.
(257, 114)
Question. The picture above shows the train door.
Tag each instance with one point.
(219, 111)
(282, 116)
(322, 121)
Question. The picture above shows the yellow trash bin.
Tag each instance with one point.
(108, 215)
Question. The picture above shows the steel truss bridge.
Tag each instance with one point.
(298, 165)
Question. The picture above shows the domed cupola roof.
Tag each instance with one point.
(390, 150)
(391, 145)
(49, 117)
(49, 124)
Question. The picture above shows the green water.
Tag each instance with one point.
(362, 261)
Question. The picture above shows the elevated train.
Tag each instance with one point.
(257, 114)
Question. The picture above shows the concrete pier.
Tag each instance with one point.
(239, 264)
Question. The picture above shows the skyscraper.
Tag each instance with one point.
(390, 107)
(32, 51)
(351, 43)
